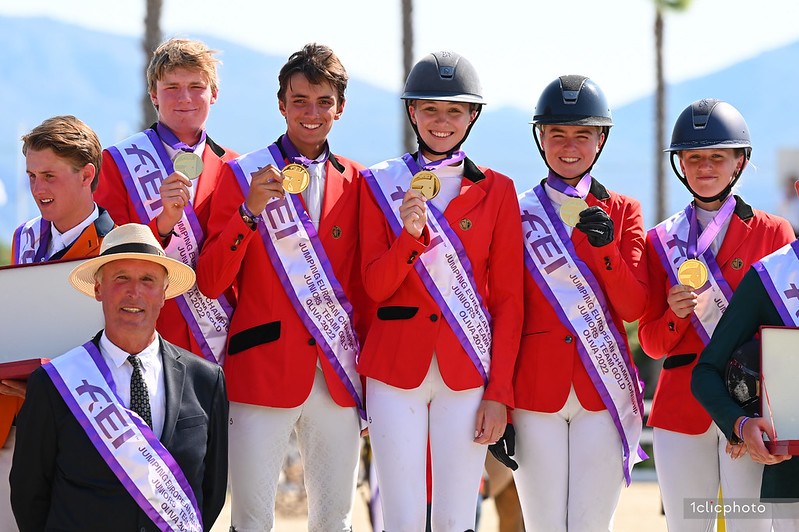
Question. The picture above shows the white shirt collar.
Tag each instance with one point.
(118, 356)
(59, 240)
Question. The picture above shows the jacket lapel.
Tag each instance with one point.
(470, 195)
(335, 181)
(205, 185)
(737, 232)
(174, 377)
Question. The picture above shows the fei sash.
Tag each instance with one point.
(144, 164)
(31, 241)
(300, 261)
(444, 267)
(671, 241)
(575, 295)
(779, 273)
(141, 463)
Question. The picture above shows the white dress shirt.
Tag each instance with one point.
(152, 370)
(59, 240)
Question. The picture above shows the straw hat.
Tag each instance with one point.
(132, 241)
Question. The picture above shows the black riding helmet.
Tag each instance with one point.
(572, 100)
(710, 124)
(443, 76)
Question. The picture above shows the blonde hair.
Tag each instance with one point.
(183, 53)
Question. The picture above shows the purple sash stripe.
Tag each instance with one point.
(710, 261)
(107, 456)
(196, 228)
(430, 285)
(128, 180)
(338, 291)
(768, 284)
(145, 429)
(443, 226)
(382, 202)
(584, 356)
(17, 244)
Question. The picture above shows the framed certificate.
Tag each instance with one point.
(779, 370)
(43, 316)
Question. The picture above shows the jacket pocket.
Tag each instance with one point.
(396, 313)
(191, 421)
(254, 336)
(676, 361)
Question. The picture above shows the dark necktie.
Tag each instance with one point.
(139, 398)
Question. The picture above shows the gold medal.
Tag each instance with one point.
(570, 210)
(189, 164)
(692, 273)
(295, 178)
(427, 183)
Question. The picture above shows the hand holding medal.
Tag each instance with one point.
(265, 184)
(413, 212)
(175, 195)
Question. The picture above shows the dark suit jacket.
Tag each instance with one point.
(60, 482)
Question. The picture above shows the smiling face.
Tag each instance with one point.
(132, 294)
(310, 110)
(570, 150)
(441, 125)
(183, 98)
(62, 192)
(709, 171)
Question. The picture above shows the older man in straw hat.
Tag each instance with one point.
(127, 432)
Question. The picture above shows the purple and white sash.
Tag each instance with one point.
(144, 164)
(299, 259)
(141, 463)
(779, 273)
(444, 266)
(31, 241)
(577, 298)
(675, 241)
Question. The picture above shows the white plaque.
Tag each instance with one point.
(43, 316)
(779, 372)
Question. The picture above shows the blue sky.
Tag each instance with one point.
(517, 46)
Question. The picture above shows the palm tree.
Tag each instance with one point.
(408, 138)
(152, 38)
(660, 103)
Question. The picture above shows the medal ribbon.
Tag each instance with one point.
(166, 135)
(294, 154)
(146, 468)
(698, 246)
(144, 164)
(576, 296)
(579, 191)
(300, 261)
(456, 157)
(712, 298)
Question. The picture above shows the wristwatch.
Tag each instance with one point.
(248, 217)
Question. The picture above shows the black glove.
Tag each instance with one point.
(597, 226)
(505, 448)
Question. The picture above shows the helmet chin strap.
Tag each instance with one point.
(423, 145)
(707, 199)
(605, 130)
